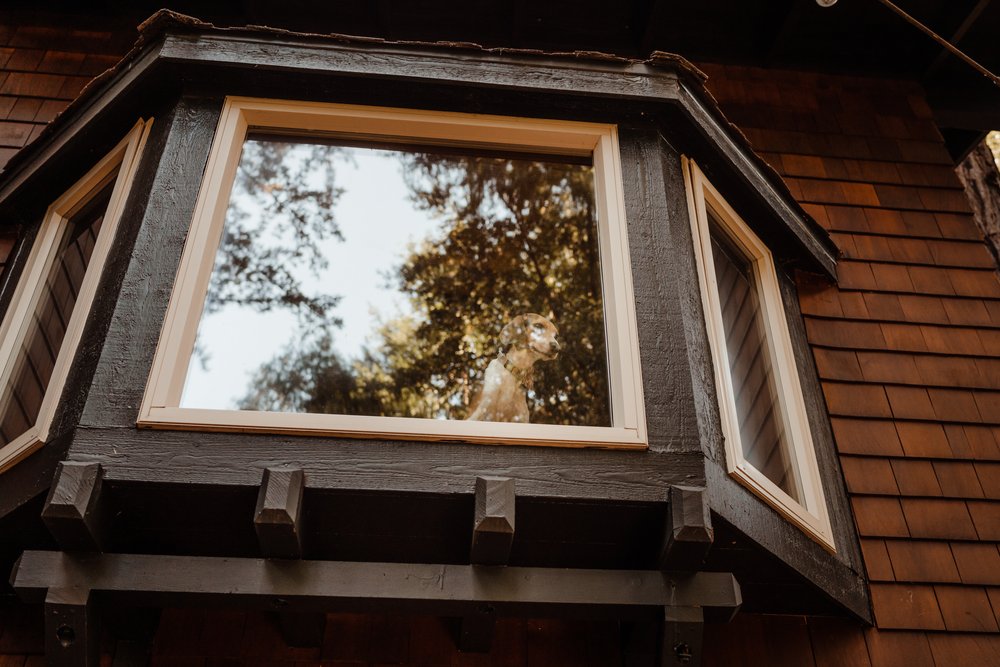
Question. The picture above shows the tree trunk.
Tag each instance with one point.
(981, 178)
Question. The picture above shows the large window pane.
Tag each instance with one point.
(762, 429)
(26, 385)
(374, 279)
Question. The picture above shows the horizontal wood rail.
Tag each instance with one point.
(303, 586)
(258, 583)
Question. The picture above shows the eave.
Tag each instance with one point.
(173, 48)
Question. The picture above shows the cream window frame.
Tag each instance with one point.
(119, 165)
(811, 514)
(161, 402)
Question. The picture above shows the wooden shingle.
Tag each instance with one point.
(922, 562)
(906, 607)
(966, 609)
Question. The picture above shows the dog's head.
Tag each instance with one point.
(533, 333)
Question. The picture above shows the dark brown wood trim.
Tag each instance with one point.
(493, 524)
(72, 628)
(447, 590)
(74, 512)
(278, 516)
(689, 534)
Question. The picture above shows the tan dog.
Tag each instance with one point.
(526, 339)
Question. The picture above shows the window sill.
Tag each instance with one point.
(392, 428)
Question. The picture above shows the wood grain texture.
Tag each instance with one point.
(660, 272)
(74, 512)
(277, 518)
(163, 221)
(72, 628)
(688, 535)
(494, 521)
(234, 459)
(325, 585)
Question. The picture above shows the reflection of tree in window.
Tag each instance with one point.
(292, 202)
(515, 236)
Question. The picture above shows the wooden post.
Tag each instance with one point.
(278, 522)
(74, 511)
(278, 515)
(682, 636)
(493, 525)
(72, 638)
(688, 535)
(492, 539)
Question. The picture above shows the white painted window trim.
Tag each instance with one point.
(119, 165)
(812, 514)
(161, 402)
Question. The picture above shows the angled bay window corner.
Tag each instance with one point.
(396, 273)
(46, 316)
(768, 444)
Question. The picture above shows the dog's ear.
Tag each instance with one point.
(514, 331)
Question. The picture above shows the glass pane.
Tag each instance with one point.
(430, 282)
(26, 385)
(762, 429)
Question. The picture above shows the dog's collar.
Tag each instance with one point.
(523, 377)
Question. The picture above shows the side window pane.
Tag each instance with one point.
(763, 435)
(386, 280)
(26, 385)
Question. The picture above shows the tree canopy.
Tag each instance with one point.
(515, 235)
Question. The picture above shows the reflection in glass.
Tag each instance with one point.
(762, 429)
(26, 385)
(378, 280)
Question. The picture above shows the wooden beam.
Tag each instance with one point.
(72, 638)
(74, 511)
(438, 589)
(277, 518)
(493, 524)
(688, 535)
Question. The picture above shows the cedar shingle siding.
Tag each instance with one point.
(907, 348)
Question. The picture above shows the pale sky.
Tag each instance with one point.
(377, 221)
